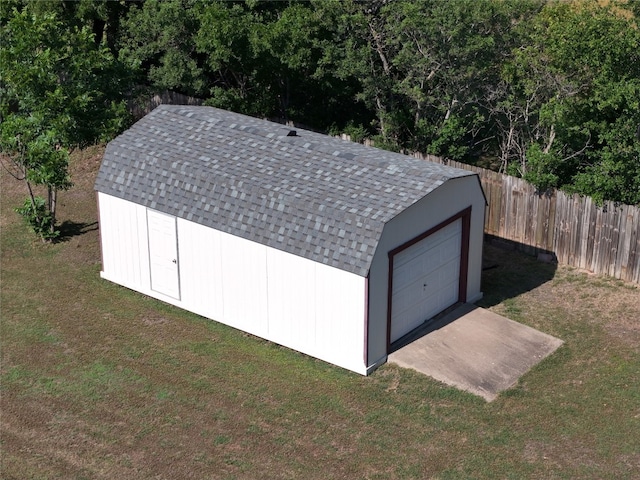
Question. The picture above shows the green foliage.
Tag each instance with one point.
(579, 75)
(449, 139)
(425, 67)
(62, 78)
(159, 36)
(259, 58)
(38, 217)
(614, 172)
(232, 36)
(541, 168)
(38, 152)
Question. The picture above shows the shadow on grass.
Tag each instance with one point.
(69, 229)
(508, 273)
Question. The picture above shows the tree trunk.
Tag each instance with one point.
(506, 149)
(381, 116)
(31, 195)
(53, 197)
(552, 137)
(379, 48)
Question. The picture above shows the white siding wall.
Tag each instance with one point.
(201, 269)
(123, 234)
(316, 309)
(290, 285)
(245, 285)
(313, 308)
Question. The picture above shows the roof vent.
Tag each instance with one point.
(292, 133)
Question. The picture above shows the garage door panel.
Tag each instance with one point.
(444, 239)
(448, 273)
(425, 279)
(415, 272)
(449, 251)
(437, 258)
(433, 278)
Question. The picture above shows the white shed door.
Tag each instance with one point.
(163, 253)
(425, 279)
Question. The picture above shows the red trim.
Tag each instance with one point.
(389, 297)
(464, 256)
(100, 230)
(366, 321)
(465, 215)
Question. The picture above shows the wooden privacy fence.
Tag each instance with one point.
(601, 239)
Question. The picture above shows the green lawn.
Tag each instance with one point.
(99, 382)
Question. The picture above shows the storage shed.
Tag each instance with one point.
(325, 246)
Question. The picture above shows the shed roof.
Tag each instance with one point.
(320, 197)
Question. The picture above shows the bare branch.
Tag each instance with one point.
(20, 175)
(579, 152)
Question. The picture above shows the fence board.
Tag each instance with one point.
(614, 268)
(634, 249)
(531, 204)
(589, 234)
(600, 241)
(551, 222)
(624, 242)
(614, 235)
(559, 244)
(496, 207)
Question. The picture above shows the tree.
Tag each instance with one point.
(231, 38)
(425, 67)
(59, 91)
(356, 52)
(159, 36)
(578, 76)
(446, 57)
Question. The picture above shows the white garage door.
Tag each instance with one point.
(425, 279)
(163, 253)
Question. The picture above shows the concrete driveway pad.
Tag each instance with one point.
(475, 350)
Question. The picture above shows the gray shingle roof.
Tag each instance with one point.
(312, 195)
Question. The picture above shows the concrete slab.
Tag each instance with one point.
(475, 350)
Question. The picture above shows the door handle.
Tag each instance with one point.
(174, 261)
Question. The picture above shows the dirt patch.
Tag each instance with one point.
(154, 320)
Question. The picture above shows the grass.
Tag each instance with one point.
(100, 382)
